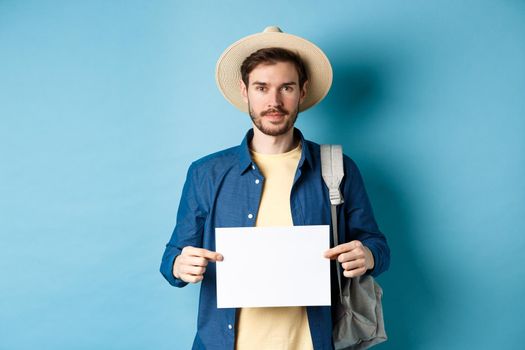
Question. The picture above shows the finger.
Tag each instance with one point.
(196, 261)
(354, 273)
(212, 256)
(191, 278)
(193, 270)
(342, 248)
(335, 251)
(204, 253)
(192, 251)
(352, 265)
(351, 255)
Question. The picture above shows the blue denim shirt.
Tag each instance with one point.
(221, 191)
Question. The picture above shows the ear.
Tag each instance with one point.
(244, 90)
(303, 92)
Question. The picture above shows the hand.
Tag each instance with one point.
(191, 264)
(355, 258)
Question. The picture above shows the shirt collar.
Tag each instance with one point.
(245, 160)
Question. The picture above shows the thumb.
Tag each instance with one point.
(212, 256)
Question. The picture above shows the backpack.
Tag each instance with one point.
(358, 317)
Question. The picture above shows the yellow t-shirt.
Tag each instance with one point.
(274, 328)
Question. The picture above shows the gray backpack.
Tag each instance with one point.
(358, 322)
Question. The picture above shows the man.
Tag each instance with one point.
(272, 178)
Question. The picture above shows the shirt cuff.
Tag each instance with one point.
(166, 268)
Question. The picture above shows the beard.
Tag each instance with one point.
(274, 129)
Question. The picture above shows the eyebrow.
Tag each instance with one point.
(264, 84)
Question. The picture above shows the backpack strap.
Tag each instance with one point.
(333, 172)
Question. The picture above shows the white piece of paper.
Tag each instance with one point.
(273, 266)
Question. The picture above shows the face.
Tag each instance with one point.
(273, 97)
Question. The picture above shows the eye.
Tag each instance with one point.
(259, 88)
(287, 88)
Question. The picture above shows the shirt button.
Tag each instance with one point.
(253, 167)
(230, 326)
(257, 181)
(250, 216)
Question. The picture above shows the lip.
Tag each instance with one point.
(274, 118)
(275, 115)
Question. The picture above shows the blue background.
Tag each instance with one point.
(104, 104)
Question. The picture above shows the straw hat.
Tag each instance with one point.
(228, 70)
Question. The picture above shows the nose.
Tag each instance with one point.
(275, 99)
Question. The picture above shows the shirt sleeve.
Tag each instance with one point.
(188, 231)
(360, 223)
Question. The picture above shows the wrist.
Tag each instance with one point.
(174, 270)
(369, 259)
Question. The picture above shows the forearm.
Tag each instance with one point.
(360, 223)
(188, 230)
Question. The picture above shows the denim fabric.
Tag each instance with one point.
(221, 191)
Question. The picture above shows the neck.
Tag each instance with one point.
(266, 144)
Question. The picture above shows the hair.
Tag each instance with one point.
(272, 55)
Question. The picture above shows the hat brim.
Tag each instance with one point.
(228, 72)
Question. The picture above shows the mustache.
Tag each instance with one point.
(278, 109)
